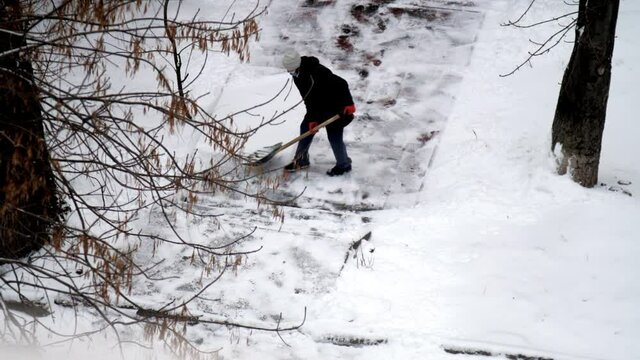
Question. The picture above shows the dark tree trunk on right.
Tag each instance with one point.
(582, 104)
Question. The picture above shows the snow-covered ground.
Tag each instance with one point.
(477, 247)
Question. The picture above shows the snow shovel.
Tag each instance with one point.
(268, 152)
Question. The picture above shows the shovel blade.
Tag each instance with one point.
(263, 155)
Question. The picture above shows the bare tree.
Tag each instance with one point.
(82, 159)
(582, 103)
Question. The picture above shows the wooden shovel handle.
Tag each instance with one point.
(302, 136)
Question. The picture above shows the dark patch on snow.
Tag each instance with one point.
(616, 188)
(372, 13)
(460, 3)
(426, 13)
(426, 136)
(525, 357)
(187, 287)
(464, 351)
(369, 117)
(386, 102)
(457, 350)
(363, 12)
(373, 58)
(344, 39)
(353, 341)
(318, 3)
(32, 308)
(356, 208)
(350, 30)
(344, 43)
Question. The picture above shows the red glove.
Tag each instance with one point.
(312, 127)
(349, 109)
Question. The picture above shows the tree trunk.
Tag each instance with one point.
(28, 201)
(582, 104)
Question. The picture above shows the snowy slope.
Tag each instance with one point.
(476, 248)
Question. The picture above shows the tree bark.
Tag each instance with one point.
(28, 201)
(582, 104)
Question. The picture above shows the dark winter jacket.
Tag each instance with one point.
(325, 94)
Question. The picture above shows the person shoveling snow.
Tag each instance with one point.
(325, 95)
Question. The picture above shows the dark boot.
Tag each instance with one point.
(339, 170)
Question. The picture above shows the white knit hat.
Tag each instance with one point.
(291, 60)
